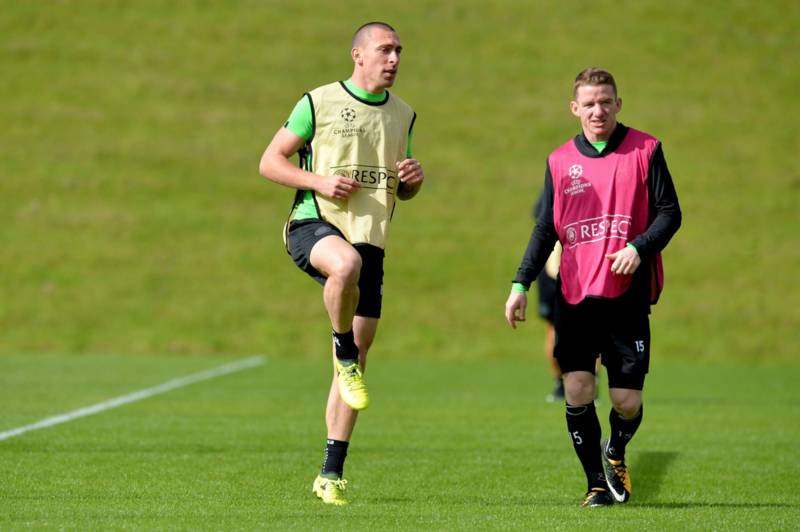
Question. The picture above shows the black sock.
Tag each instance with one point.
(584, 430)
(335, 453)
(345, 345)
(622, 430)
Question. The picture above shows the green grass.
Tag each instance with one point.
(445, 445)
(133, 221)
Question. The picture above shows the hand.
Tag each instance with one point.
(410, 173)
(335, 186)
(515, 307)
(625, 261)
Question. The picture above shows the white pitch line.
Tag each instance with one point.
(212, 373)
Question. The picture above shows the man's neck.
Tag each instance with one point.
(362, 84)
(599, 138)
(364, 95)
(590, 148)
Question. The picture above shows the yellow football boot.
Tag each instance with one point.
(352, 388)
(331, 491)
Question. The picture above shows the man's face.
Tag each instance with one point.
(596, 106)
(379, 58)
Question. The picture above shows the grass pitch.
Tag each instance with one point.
(445, 445)
(133, 222)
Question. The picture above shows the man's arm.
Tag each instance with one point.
(543, 239)
(664, 203)
(665, 218)
(409, 170)
(276, 166)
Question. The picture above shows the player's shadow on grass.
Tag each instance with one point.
(650, 468)
(674, 505)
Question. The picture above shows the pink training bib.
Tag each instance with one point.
(601, 204)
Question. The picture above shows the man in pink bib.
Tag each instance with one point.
(610, 201)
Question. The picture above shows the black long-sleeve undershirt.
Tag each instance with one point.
(664, 213)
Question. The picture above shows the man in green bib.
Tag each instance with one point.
(353, 139)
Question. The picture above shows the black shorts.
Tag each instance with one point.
(547, 288)
(302, 235)
(613, 329)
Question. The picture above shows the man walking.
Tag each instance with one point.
(354, 143)
(611, 203)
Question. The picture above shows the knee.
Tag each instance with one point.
(347, 268)
(628, 406)
(578, 390)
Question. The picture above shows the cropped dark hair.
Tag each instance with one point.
(366, 27)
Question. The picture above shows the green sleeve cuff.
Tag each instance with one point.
(629, 245)
(519, 287)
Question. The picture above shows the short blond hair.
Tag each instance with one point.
(594, 76)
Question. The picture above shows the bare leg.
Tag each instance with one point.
(341, 263)
(579, 387)
(625, 402)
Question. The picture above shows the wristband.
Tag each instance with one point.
(519, 288)
(629, 245)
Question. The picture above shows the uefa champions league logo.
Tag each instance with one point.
(576, 185)
(348, 114)
(575, 171)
